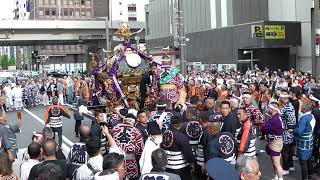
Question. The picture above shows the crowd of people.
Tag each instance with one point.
(210, 125)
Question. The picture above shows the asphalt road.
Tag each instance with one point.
(31, 121)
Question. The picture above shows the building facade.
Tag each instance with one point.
(220, 31)
(22, 9)
(61, 9)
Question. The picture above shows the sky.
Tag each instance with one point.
(6, 9)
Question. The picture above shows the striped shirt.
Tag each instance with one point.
(53, 115)
(247, 139)
(289, 122)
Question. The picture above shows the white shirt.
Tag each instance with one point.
(25, 168)
(17, 91)
(7, 90)
(113, 176)
(145, 160)
(84, 173)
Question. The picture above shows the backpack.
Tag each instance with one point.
(93, 172)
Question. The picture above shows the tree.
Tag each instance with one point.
(12, 61)
(4, 61)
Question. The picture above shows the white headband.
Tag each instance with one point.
(274, 108)
(284, 95)
(314, 98)
(161, 105)
(246, 95)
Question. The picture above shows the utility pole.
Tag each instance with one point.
(315, 15)
(182, 39)
(107, 34)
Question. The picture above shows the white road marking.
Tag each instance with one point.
(64, 139)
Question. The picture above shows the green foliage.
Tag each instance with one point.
(4, 61)
(12, 61)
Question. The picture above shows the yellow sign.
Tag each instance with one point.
(275, 32)
(256, 31)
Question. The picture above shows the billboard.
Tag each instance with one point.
(28, 5)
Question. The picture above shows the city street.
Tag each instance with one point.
(31, 122)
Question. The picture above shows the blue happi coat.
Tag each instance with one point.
(303, 134)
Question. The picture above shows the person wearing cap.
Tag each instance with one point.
(246, 135)
(161, 115)
(153, 142)
(159, 161)
(53, 118)
(288, 117)
(130, 140)
(274, 132)
(219, 144)
(304, 135)
(180, 158)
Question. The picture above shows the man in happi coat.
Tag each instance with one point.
(171, 81)
(130, 140)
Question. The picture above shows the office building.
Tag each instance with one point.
(277, 33)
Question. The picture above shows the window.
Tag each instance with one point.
(77, 13)
(53, 13)
(83, 13)
(65, 2)
(47, 12)
(40, 12)
(76, 2)
(53, 1)
(65, 12)
(88, 2)
(70, 2)
(46, 1)
(132, 7)
(40, 2)
(82, 2)
(132, 18)
(88, 13)
(71, 12)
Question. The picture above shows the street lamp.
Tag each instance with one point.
(251, 58)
